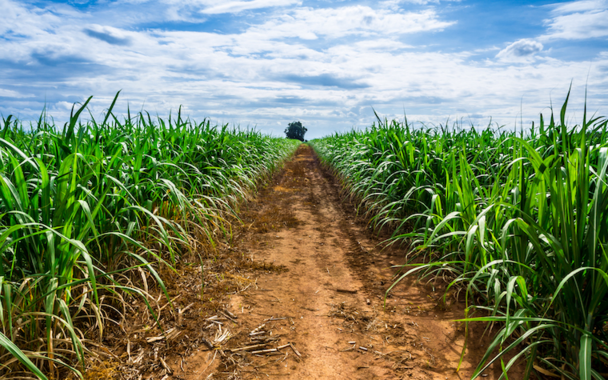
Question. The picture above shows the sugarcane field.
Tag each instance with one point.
(300, 189)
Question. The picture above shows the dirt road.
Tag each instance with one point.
(322, 292)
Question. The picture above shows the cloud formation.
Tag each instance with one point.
(578, 20)
(522, 49)
(108, 35)
(217, 7)
(309, 23)
(326, 80)
(6, 93)
(281, 61)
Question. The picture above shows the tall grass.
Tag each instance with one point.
(517, 218)
(84, 205)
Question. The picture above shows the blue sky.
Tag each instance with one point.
(265, 63)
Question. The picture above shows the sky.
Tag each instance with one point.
(328, 64)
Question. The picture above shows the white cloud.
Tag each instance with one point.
(239, 6)
(17, 19)
(579, 6)
(185, 9)
(113, 36)
(523, 49)
(578, 20)
(350, 20)
(383, 44)
(274, 72)
(396, 3)
(13, 94)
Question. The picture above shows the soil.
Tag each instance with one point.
(304, 281)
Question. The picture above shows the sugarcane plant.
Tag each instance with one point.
(518, 218)
(86, 205)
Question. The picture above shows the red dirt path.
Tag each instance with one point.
(324, 288)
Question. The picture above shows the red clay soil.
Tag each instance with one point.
(316, 309)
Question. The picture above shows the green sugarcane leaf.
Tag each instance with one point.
(17, 353)
(584, 357)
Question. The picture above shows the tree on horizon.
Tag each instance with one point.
(296, 131)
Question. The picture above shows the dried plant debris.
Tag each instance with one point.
(146, 345)
(378, 335)
(259, 351)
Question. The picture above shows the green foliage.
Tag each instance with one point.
(517, 218)
(82, 207)
(295, 131)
